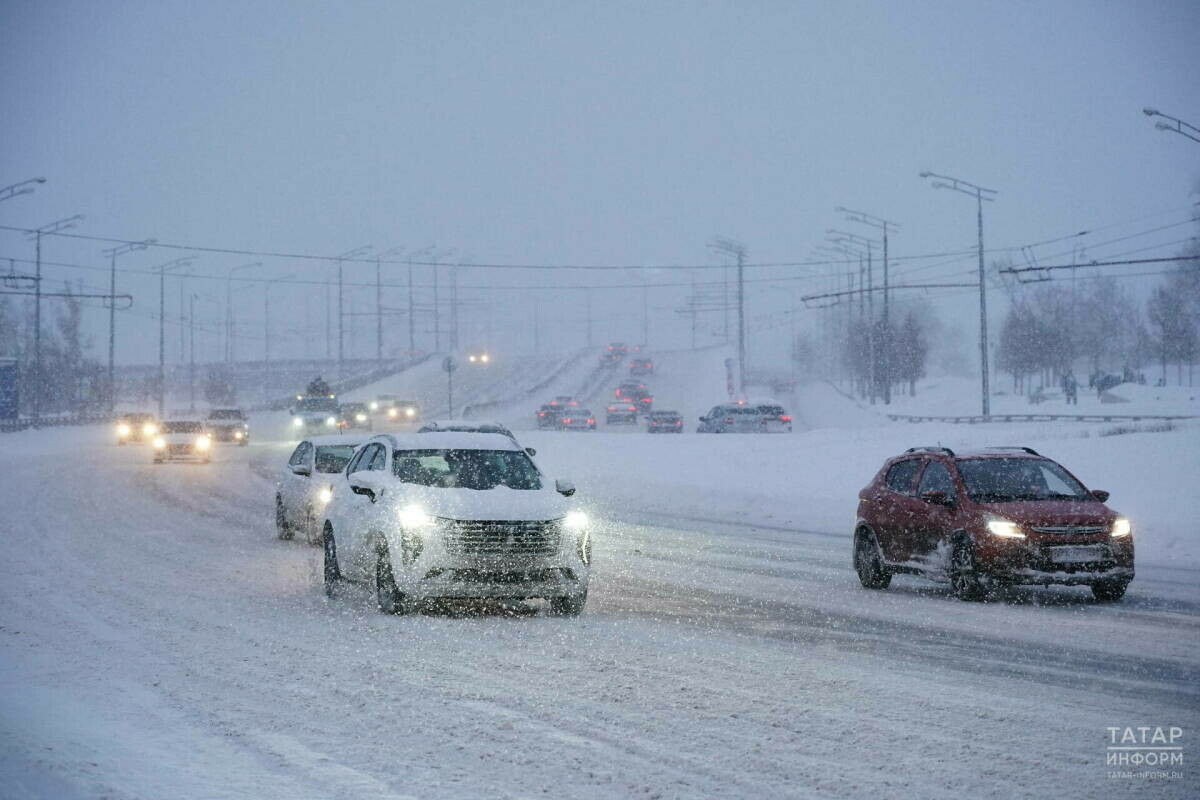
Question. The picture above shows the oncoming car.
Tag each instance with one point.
(354, 415)
(138, 427)
(317, 413)
(398, 411)
(178, 439)
(455, 515)
(229, 425)
(984, 519)
(303, 488)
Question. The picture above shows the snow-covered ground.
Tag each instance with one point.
(156, 640)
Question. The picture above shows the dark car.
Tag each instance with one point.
(228, 425)
(986, 519)
(641, 366)
(136, 427)
(550, 415)
(773, 419)
(621, 412)
(664, 422)
(630, 390)
(731, 418)
(354, 416)
(578, 419)
(613, 354)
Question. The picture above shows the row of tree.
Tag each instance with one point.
(1050, 328)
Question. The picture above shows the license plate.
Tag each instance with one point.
(1077, 555)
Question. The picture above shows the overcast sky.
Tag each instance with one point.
(582, 133)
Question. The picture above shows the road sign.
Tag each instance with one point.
(449, 364)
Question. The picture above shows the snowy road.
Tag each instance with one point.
(159, 641)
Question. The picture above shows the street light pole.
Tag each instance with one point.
(737, 249)
(24, 187)
(379, 300)
(53, 227)
(267, 336)
(843, 239)
(163, 269)
(192, 353)
(112, 253)
(1191, 132)
(229, 324)
(980, 194)
(355, 253)
(883, 225)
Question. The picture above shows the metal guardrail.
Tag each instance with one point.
(975, 419)
(13, 425)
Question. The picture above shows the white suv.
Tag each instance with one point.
(455, 515)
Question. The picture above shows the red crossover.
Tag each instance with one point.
(988, 518)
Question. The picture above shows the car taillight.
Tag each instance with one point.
(785, 418)
(646, 399)
(591, 420)
(678, 422)
(567, 420)
(541, 413)
(729, 420)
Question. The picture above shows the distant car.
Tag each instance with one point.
(479, 357)
(664, 422)
(731, 418)
(354, 416)
(228, 425)
(402, 411)
(621, 412)
(613, 354)
(774, 419)
(987, 518)
(315, 414)
(449, 515)
(578, 419)
(549, 416)
(179, 439)
(641, 366)
(136, 427)
(382, 402)
(630, 389)
(564, 400)
(303, 488)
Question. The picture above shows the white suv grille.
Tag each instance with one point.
(502, 538)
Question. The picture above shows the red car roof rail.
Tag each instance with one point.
(931, 448)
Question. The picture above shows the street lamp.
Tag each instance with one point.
(1178, 127)
(980, 194)
(163, 269)
(229, 325)
(885, 226)
(112, 253)
(267, 335)
(379, 257)
(9, 192)
(730, 247)
(53, 227)
(355, 253)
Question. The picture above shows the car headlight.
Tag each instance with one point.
(1005, 528)
(1120, 527)
(414, 517)
(331, 421)
(203, 442)
(360, 417)
(297, 422)
(485, 358)
(238, 434)
(374, 406)
(159, 443)
(392, 412)
(149, 429)
(410, 412)
(575, 520)
(123, 430)
(325, 495)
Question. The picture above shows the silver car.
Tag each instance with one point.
(731, 418)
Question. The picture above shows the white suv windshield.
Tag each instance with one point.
(466, 469)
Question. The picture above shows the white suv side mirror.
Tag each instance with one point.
(366, 482)
(565, 488)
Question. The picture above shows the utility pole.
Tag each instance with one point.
(163, 269)
(645, 316)
(454, 308)
(587, 299)
(53, 227)
(980, 194)
(846, 242)
(537, 345)
(737, 249)
(885, 226)
(112, 253)
(229, 325)
(355, 253)
(267, 336)
(192, 353)
(395, 251)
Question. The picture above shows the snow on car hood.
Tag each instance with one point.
(500, 503)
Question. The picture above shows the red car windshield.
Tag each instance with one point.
(1004, 480)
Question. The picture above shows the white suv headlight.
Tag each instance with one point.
(1120, 527)
(331, 421)
(575, 521)
(297, 422)
(413, 517)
